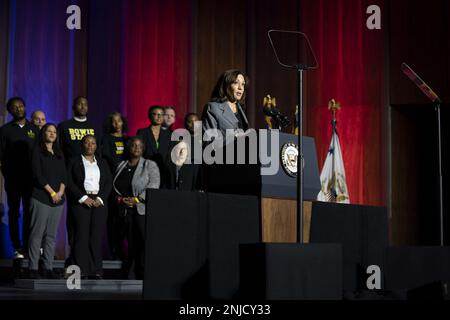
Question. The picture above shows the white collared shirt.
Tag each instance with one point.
(91, 178)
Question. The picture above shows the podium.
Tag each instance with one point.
(278, 196)
(277, 193)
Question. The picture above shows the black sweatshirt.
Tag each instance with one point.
(16, 145)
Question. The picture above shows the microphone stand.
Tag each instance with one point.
(300, 69)
(305, 54)
(437, 104)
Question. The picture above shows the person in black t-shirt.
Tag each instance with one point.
(113, 151)
(114, 139)
(17, 139)
(47, 200)
(70, 132)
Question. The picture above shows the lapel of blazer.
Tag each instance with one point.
(82, 172)
(101, 168)
(118, 171)
(152, 140)
(241, 111)
(228, 114)
(135, 182)
(164, 142)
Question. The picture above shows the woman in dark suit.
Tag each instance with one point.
(156, 141)
(133, 177)
(89, 186)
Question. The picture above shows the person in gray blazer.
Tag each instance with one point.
(133, 177)
(224, 111)
(226, 115)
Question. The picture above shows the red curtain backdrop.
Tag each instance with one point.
(157, 58)
(351, 63)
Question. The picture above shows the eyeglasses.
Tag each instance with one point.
(158, 114)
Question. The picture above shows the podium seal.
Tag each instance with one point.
(289, 156)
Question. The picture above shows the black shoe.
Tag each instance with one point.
(50, 274)
(33, 274)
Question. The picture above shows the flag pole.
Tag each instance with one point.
(334, 107)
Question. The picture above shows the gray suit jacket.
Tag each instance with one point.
(145, 177)
(219, 116)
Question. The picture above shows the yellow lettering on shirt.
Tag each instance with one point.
(119, 147)
(78, 134)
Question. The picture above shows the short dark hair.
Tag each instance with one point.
(56, 148)
(222, 90)
(85, 138)
(169, 107)
(76, 100)
(107, 125)
(151, 108)
(11, 100)
(130, 142)
(188, 115)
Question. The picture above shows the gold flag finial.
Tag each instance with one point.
(333, 105)
(269, 102)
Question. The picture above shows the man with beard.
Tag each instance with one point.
(17, 140)
(73, 130)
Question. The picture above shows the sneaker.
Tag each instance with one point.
(18, 255)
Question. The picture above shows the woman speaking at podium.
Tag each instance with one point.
(224, 113)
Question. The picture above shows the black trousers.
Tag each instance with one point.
(89, 224)
(117, 228)
(15, 194)
(133, 227)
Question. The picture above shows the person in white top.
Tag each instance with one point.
(89, 184)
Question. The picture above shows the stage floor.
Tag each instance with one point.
(56, 290)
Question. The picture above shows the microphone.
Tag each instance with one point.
(277, 115)
(270, 112)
